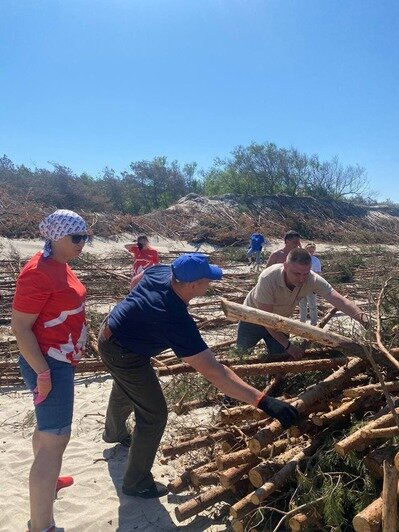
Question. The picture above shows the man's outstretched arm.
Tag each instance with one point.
(347, 307)
(232, 385)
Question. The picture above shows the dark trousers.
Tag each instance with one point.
(136, 388)
(249, 334)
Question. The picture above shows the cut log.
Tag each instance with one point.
(225, 461)
(237, 312)
(357, 439)
(281, 477)
(261, 473)
(232, 475)
(369, 519)
(241, 508)
(201, 502)
(301, 522)
(389, 498)
(370, 389)
(231, 416)
(341, 412)
(182, 482)
(238, 525)
(270, 368)
(195, 443)
(200, 442)
(376, 434)
(306, 400)
(205, 475)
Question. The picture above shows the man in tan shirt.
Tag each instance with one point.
(292, 240)
(278, 290)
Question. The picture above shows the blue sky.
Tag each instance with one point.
(95, 83)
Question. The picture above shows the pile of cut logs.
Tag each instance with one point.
(252, 456)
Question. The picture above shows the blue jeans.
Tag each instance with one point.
(256, 253)
(249, 335)
(55, 413)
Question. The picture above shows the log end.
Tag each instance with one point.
(255, 478)
(237, 525)
(339, 449)
(361, 524)
(318, 420)
(254, 446)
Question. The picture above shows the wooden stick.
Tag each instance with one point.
(369, 519)
(343, 411)
(282, 476)
(376, 434)
(225, 461)
(205, 441)
(300, 522)
(268, 468)
(235, 311)
(202, 501)
(269, 368)
(306, 400)
(238, 413)
(370, 389)
(180, 483)
(241, 508)
(390, 498)
(357, 440)
(205, 475)
(232, 475)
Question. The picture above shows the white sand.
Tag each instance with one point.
(27, 247)
(95, 502)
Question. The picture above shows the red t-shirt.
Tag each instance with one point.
(53, 291)
(143, 258)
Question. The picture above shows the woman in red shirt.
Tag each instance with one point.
(49, 323)
(144, 255)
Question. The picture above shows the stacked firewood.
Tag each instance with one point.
(250, 456)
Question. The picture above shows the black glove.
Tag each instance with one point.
(285, 413)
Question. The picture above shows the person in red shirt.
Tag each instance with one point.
(144, 255)
(49, 323)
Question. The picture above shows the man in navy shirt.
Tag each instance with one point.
(152, 318)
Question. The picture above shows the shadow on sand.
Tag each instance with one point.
(141, 514)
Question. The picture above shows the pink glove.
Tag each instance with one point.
(43, 387)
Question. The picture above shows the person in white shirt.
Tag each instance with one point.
(309, 301)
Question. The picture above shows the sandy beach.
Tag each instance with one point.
(95, 502)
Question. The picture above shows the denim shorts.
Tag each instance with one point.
(54, 414)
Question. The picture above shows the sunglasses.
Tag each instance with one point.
(76, 239)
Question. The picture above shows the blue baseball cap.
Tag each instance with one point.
(194, 266)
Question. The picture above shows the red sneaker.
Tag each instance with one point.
(64, 482)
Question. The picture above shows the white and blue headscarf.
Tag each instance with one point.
(59, 224)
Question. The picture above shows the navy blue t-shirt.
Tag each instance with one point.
(153, 318)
